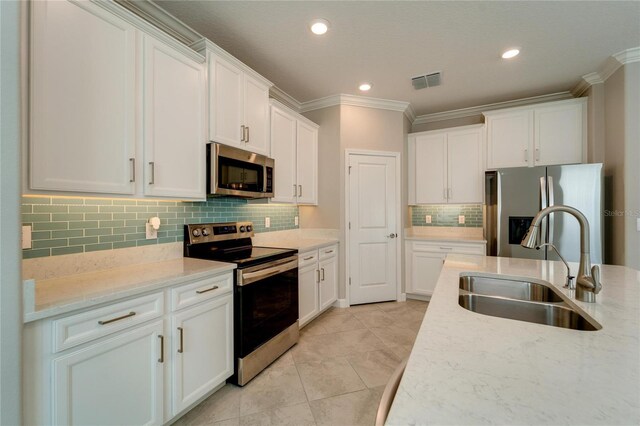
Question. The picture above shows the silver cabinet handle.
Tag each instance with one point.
(248, 135)
(295, 189)
(537, 154)
(322, 269)
(181, 348)
(328, 251)
(308, 258)
(318, 275)
(161, 337)
(215, 287)
(446, 248)
(105, 322)
(300, 191)
(243, 133)
(132, 161)
(153, 172)
(526, 155)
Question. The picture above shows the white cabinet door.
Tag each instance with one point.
(430, 168)
(114, 382)
(256, 116)
(509, 138)
(424, 272)
(203, 350)
(464, 161)
(283, 151)
(559, 133)
(226, 83)
(308, 293)
(328, 287)
(307, 163)
(175, 140)
(83, 99)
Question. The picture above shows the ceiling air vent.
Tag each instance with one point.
(429, 80)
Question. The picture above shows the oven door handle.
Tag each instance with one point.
(246, 278)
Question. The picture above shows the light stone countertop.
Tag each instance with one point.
(50, 297)
(306, 244)
(468, 368)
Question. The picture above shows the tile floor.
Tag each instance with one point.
(335, 375)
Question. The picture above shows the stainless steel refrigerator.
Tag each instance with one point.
(514, 196)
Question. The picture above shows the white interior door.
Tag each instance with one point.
(373, 242)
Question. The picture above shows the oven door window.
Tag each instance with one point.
(239, 175)
(265, 308)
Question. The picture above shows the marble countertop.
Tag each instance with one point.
(49, 297)
(468, 368)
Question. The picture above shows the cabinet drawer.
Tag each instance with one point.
(447, 247)
(307, 258)
(87, 326)
(328, 252)
(198, 291)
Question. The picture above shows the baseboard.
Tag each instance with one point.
(418, 297)
(403, 297)
(341, 303)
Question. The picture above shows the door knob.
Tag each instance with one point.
(392, 235)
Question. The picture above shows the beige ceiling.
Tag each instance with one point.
(388, 42)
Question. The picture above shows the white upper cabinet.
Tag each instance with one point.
(174, 136)
(83, 99)
(446, 166)
(238, 101)
(283, 151)
(307, 163)
(538, 135)
(294, 147)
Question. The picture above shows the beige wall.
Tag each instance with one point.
(595, 123)
(632, 164)
(326, 215)
(445, 124)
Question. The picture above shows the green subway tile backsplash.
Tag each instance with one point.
(76, 225)
(447, 215)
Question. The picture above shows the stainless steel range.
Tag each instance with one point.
(265, 292)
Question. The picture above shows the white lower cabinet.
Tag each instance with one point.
(148, 364)
(424, 260)
(203, 350)
(115, 381)
(317, 282)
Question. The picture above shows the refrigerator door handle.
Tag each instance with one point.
(551, 203)
(543, 205)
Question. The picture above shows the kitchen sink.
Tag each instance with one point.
(522, 300)
(513, 289)
(535, 312)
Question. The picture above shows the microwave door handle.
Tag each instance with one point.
(551, 203)
(543, 205)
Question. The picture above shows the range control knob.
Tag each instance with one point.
(205, 232)
(242, 228)
(195, 232)
(249, 228)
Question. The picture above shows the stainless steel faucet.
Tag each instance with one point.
(569, 281)
(588, 281)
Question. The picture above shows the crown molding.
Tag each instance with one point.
(478, 110)
(154, 14)
(610, 66)
(361, 101)
(284, 98)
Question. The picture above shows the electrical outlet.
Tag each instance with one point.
(461, 219)
(427, 218)
(267, 222)
(296, 221)
(152, 234)
(26, 237)
(638, 224)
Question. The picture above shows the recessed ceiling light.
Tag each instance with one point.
(319, 26)
(365, 87)
(511, 53)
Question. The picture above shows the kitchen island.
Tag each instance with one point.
(468, 368)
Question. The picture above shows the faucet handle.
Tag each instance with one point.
(595, 274)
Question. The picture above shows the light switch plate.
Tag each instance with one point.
(427, 218)
(638, 224)
(296, 221)
(26, 237)
(267, 222)
(461, 219)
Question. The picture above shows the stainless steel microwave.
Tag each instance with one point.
(239, 173)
